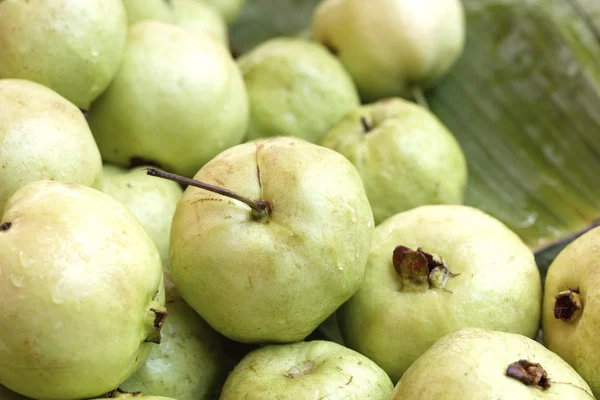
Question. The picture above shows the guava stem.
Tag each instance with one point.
(420, 96)
(257, 205)
(365, 124)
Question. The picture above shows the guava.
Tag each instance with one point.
(392, 47)
(152, 201)
(296, 88)
(229, 9)
(73, 47)
(307, 370)
(192, 15)
(82, 292)
(43, 136)
(571, 310)
(274, 266)
(474, 363)
(436, 269)
(121, 394)
(177, 101)
(405, 155)
(191, 361)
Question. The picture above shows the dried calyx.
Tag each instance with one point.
(568, 305)
(118, 393)
(530, 374)
(420, 271)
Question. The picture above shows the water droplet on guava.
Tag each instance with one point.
(17, 280)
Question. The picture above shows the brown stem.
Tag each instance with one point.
(257, 205)
(365, 124)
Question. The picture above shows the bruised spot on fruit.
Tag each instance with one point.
(420, 270)
(528, 373)
(568, 305)
(5, 226)
(141, 162)
(365, 124)
(301, 369)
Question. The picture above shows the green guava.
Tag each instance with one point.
(275, 274)
(191, 15)
(152, 201)
(82, 292)
(475, 363)
(177, 101)
(296, 88)
(404, 154)
(391, 47)
(307, 370)
(190, 363)
(229, 9)
(571, 310)
(43, 136)
(436, 269)
(73, 47)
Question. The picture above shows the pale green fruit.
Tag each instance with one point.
(74, 47)
(571, 311)
(404, 154)
(191, 15)
(296, 88)
(43, 136)
(190, 362)
(229, 9)
(6, 394)
(82, 292)
(178, 100)
(391, 46)
(473, 363)
(408, 301)
(307, 370)
(151, 200)
(276, 277)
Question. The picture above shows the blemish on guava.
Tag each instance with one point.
(365, 124)
(419, 270)
(568, 305)
(5, 226)
(301, 369)
(158, 314)
(528, 373)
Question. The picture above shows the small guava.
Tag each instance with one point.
(296, 88)
(43, 136)
(73, 47)
(392, 47)
(436, 269)
(82, 292)
(405, 155)
(475, 363)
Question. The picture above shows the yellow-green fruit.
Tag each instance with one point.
(483, 364)
(404, 154)
(82, 292)
(436, 269)
(229, 9)
(571, 311)
(191, 15)
(190, 363)
(296, 88)
(272, 276)
(151, 200)
(43, 136)
(391, 46)
(177, 101)
(73, 47)
(307, 370)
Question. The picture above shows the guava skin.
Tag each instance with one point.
(229, 9)
(390, 47)
(296, 88)
(472, 364)
(73, 47)
(37, 128)
(407, 159)
(80, 280)
(177, 101)
(256, 280)
(191, 15)
(151, 200)
(577, 342)
(497, 287)
(190, 363)
(307, 370)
